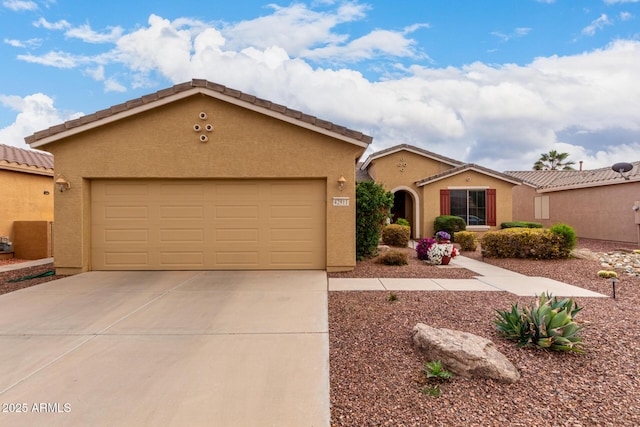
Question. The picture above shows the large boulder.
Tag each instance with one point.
(464, 354)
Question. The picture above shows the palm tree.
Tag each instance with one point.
(553, 161)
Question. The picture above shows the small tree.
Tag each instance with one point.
(553, 161)
(373, 205)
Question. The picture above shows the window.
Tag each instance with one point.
(476, 207)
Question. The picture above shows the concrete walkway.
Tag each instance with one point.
(490, 278)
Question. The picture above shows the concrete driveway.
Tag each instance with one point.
(167, 349)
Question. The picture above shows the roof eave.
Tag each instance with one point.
(426, 181)
(586, 185)
(35, 170)
(35, 142)
(378, 155)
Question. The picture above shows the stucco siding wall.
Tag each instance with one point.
(403, 169)
(523, 203)
(23, 199)
(602, 213)
(161, 143)
(470, 179)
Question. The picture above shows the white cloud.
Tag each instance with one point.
(597, 24)
(60, 25)
(376, 43)
(620, 1)
(626, 16)
(311, 28)
(112, 85)
(498, 116)
(55, 59)
(31, 43)
(85, 33)
(19, 5)
(96, 73)
(35, 112)
(516, 33)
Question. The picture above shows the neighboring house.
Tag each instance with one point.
(26, 187)
(200, 176)
(426, 185)
(597, 203)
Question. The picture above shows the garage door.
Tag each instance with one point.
(208, 224)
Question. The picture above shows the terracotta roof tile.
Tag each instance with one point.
(552, 180)
(198, 83)
(411, 148)
(465, 167)
(26, 157)
(362, 175)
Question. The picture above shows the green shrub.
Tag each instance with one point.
(520, 224)
(548, 324)
(396, 235)
(536, 243)
(373, 205)
(467, 240)
(394, 258)
(568, 236)
(402, 221)
(449, 223)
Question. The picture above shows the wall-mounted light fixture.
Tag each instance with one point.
(341, 182)
(62, 184)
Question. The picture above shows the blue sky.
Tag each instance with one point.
(489, 82)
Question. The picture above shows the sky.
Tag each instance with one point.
(491, 82)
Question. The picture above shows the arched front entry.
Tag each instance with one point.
(406, 205)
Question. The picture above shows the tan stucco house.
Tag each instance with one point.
(598, 203)
(201, 176)
(426, 185)
(26, 187)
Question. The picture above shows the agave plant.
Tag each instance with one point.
(548, 323)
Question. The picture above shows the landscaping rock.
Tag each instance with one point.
(383, 248)
(584, 253)
(624, 261)
(464, 354)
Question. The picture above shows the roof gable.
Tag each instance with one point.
(19, 159)
(465, 168)
(411, 149)
(184, 90)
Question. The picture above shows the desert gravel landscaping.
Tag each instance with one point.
(376, 374)
(376, 377)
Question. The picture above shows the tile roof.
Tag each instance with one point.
(538, 178)
(546, 181)
(186, 89)
(413, 149)
(21, 156)
(361, 174)
(466, 167)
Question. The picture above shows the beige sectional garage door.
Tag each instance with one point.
(208, 224)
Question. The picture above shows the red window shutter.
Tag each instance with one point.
(445, 202)
(491, 207)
